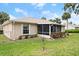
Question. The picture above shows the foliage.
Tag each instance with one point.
(57, 20)
(43, 18)
(66, 16)
(70, 23)
(71, 7)
(51, 20)
(72, 31)
(3, 17)
(58, 35)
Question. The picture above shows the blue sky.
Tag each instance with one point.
(36, 10)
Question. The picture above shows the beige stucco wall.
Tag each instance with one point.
(7, 30)
(18, 30)
(14, 30)
(32, 29)
(62, 29)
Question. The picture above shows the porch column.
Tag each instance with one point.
(56, 28)
(49, 29)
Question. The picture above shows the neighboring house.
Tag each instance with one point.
(30, 26)
(77, 27)
(70, 26)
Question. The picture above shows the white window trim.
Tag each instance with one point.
(22, 30)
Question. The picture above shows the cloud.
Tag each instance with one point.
(54, 4)
(21, 11)
(74, 18)
(49, 14)
(12, 17)
(38, 5)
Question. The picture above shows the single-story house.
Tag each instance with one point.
(30, 26)
(77, 27)
(70, 26)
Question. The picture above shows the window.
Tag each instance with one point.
(25, 28)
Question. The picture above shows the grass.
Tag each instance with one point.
(68, 46)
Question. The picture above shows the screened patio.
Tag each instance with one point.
(47, 29)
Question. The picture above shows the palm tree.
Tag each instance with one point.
(66, 16)
(72, 7)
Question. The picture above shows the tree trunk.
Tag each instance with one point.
(67, 27)
(67, 24)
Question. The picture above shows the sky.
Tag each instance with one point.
(36, 10)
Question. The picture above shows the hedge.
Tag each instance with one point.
(72, 31)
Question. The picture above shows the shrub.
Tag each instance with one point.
(72, 31)
(58, 35)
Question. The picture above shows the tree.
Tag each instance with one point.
(72, 7)
(51, 20)
(43, 18)
(3, 17)
(66, 16)
(70, 22)
(58, 20)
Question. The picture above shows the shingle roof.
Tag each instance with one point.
(33, 20)
(30, 20)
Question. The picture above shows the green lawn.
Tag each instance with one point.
(68, 46)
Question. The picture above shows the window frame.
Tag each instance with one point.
(23, 29)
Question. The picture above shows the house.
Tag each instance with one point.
(77, 27)
(70, 26)
(30, 26)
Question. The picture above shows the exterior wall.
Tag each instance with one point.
(13, 31)
(7, 30)
(62, 29)
(32, 29)
(18, 30)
